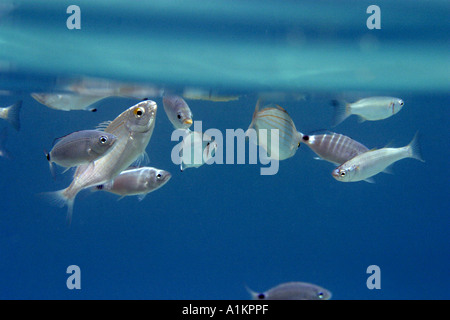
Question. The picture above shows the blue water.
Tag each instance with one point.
(212, 231)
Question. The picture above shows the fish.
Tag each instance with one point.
(208, 95)
(277, 122)
(373, 108)
(68, 101)
(133, 129)
(3, 151)
(12, 114)
(293, 291)
(80, 147)
(370, 163)
(136, 181)
(178, 112)
(334, 147)
(196, 149)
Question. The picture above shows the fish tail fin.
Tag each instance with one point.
(415, 151)
(13, 114)
(3, 152)
(59, 199)
(341, 111)
(252, 293)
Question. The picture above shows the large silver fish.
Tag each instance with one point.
(373, 108)
(11, 114)
(133, 129)
(370, 163)
(136, 181)
(334, 147)
(178, 112)
(277, 122)
(293, 291)
(80, 147)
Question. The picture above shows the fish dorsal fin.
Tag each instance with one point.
(255, 113)
(281, 108)
(103, 125)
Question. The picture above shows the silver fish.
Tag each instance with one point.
(374, 108)
(68, 101)
(136, 181)
(11, 114)
(277, 121)
(370, 163)
(178, 112)
(3, 152)
(133, 129)
(293, 291)
(334, 147)
(79, 148)
(196, 149)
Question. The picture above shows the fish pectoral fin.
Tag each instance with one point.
(389, 169)
(120, 198)
(141, 196)
(67, 169)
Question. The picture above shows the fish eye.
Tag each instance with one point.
(103, 139)
(320, 295)
(138, 112)
(401, 102)
(342, 173)
(179, 116)
(261, 296)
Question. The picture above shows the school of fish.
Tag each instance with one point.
(105, 158)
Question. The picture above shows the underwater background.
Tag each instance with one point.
(214, 230)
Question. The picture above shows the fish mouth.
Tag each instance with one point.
(187, 121)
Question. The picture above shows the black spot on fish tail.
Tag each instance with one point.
(93, 110)
(334, 103)
(99, 187)
(305, 137)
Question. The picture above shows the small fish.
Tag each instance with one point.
(293, 291)
(208, 95)
(79, 148)
(133, 129)
(334, 147)
(11, 114)
(68, 101)
(370, 163)
(374, 108)
(274, 117)
(136, 181)
(196, 149)
(178, 112)
(3, 152)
